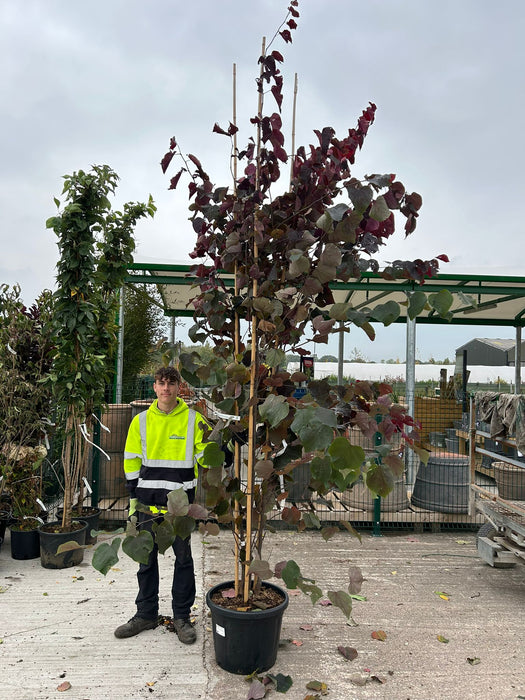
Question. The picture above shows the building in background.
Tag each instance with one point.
(491, 352)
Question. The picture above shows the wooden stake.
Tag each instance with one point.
(236, 346)
(292, 155)
(252, 419)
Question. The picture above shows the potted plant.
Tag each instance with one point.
(95, 245)
(25, 408)
(281, 253)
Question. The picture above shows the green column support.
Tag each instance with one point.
(376, 531)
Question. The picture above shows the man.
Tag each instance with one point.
(161, 452)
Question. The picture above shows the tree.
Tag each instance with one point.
(144, 327)
(357, 356)
(284, 251)
(26, 353)
(95, 245)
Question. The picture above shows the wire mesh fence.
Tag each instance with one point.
(432, 496)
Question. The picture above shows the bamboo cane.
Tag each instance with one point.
(236, 346)
(292, 153)
(252, 421)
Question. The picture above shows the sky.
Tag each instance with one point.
(110, 81)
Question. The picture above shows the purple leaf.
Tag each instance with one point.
(174, 180)
(164, 163)
(219, 130)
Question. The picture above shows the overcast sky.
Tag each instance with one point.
(110, 81)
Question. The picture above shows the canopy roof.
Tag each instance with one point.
(479, 300)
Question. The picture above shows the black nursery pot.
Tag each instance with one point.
(25, 544)
(246, 641)
(50, 541)
(89, 515)
(5, 519)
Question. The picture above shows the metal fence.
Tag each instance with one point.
(433, 496)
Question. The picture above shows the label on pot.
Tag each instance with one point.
(220, 630)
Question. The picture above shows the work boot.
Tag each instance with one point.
(135, 626)
(185, 631)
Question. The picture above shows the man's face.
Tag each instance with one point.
(166, 392)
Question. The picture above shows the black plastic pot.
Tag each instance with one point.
(5, 519)
(89, 515)
(50, 541)
(246, 641)
(25, 544)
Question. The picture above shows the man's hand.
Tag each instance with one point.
(132, 506)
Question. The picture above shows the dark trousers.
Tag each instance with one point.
(183, 586)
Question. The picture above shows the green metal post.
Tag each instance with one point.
(376, 531)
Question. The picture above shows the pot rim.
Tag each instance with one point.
(252, 614)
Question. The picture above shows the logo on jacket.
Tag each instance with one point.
(176, 437)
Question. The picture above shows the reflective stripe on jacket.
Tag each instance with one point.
(161, 452)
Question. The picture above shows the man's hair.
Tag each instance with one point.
(170, 374)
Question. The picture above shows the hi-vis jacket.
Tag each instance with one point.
(161, 452)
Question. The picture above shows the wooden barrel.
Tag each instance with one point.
(116, 418)
(361, 498)
(510, 480)
(443, 484)
(112, 481)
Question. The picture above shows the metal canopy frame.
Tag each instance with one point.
(479, 300)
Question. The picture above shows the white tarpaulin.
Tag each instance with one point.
(373, 371)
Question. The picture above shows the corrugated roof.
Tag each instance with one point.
(490, 300)
(499, 343)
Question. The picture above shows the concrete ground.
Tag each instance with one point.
(57, 626)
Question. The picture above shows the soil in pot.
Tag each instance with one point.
(52, 536)
(90, 515)
(246, 639)
(263, 599)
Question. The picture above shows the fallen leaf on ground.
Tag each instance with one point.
(358, 679)
(306, 627)
(462, 541)
(348, 652)
(378, 679)
(282, 683)
(318, 686)
(325, 602)
(380, 635)
(284, 642)
(442, 639)
(443, 595)
(297, 643)
(294, 591)
(257, 690)
(474, 661)
(66, 685)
